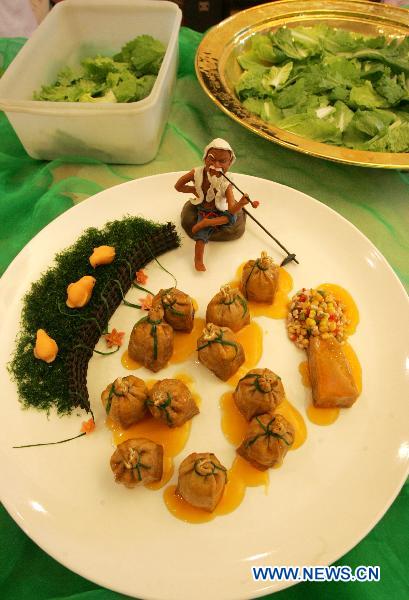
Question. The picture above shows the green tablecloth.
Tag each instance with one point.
(32, 193)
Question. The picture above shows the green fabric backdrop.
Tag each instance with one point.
(32, 193)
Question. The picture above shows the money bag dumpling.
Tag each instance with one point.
(202, 479)
(151, 340)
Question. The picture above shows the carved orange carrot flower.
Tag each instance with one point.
(114, 338)
(88, 426)
(141, 277)
(146, 303)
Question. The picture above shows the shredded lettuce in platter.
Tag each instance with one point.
(330, 85)
(129, 76)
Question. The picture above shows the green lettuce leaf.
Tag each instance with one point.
(249, 61)
(270, 112)
(396, 139)
(339, 92)
(364, 96)
(295, 45)
(276, 77)
(254, 105)
(310, 126)
(343, 115)
(264, 50)
(392, 88)
(373, 122)
(145, 54)
(291, 95)
(251, 84)
(99, 67)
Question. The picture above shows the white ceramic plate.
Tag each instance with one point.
(328, 494)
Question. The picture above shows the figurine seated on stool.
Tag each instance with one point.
(213, 209)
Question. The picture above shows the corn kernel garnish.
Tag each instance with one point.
(315, 312)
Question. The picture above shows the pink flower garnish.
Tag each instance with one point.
(141, 277)
(88, 426)
(114, 338)
(146, 303)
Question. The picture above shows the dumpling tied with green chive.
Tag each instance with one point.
(125, 400)
(151, 340)
(137, 461)
(228, 308)
(259, 280)
(178, 308)
(170, 401)
(258, 392)
(267, 441)
(202, 479)
(219, 351)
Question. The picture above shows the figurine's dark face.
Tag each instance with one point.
(218, 160)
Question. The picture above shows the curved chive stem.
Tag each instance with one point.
(161, 266)
(104, 300)
(52, 443)
(128, 264)
(106, 353)
(131, 304)
(132, 277)
(77, 316)
(139, 287)
(123, 296)
(96, 351)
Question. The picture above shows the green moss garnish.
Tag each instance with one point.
(43, 385)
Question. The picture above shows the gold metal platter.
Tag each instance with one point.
(218, 70)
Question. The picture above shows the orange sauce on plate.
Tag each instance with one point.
(129, 363)
(350, 308)
(251, 338)
(185, 344)
(322, 416)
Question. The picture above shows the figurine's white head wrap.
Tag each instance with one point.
(219, 144)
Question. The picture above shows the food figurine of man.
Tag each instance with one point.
(213, 195)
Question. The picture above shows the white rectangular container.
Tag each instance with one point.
(127, 133)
